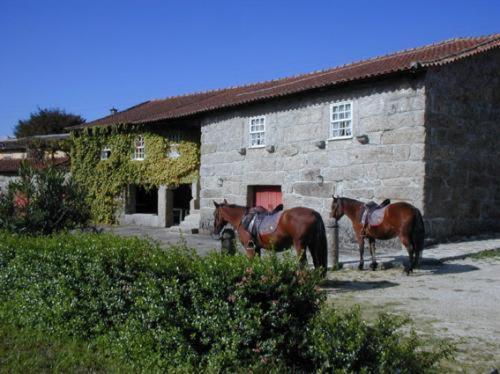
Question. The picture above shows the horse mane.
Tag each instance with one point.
(350, 200)
(235, 206)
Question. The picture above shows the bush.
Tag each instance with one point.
(41, 202)
(172, 310)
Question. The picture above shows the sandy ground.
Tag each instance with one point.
(458, 300)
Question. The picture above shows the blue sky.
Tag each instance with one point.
(88, 56)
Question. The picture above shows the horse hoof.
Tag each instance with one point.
(361, 266)
(373, 266)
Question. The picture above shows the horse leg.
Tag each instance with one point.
(258, 251)
(250, 249)
(361, 243)
(411, 253)
(374, 264)
(301, 253)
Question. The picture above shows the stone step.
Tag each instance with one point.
(190, 222)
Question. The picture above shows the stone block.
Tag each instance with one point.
(404, 136)
(208, 148)
(400, 169)
(409, 194)
(313, 189)
(363, 194)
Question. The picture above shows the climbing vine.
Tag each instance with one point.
(106, 180)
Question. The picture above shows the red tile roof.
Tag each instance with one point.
(407, 60)
(12, 165)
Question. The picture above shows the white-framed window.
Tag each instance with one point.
(139, 149)
(257, 126)
(341, 120)
(105, 153)
(174, 136)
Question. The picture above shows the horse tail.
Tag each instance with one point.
(418, 234)
(318, 245)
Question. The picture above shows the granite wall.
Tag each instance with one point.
(390, 113)
(462, 184)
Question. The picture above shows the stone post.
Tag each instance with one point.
(165, 205)
(333, 227)
(194, 204)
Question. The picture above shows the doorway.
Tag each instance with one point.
(266, 196)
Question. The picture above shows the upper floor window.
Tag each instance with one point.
(105, 153)
(174, 136)
(139, 149)
(257, 132)
(341, 120)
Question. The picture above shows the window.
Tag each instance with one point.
(105, 153)
(257, 132)
(174, 136)
(139, 149)
(341, 120)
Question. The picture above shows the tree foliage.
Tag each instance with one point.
(42, 202)
(46, 121)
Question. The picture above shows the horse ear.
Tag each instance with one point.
(216, 205)
(225, 201)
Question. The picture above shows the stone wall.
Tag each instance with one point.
(389, 112)
(462, 185)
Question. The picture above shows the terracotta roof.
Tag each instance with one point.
(12, 165)
(186, 105)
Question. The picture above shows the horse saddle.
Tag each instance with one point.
(258, 221)
(373, 214)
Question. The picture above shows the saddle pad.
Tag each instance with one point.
(376, 217)
(269, 223)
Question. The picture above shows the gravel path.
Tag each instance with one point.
(457, 300)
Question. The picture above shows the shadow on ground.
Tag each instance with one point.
(330, 285)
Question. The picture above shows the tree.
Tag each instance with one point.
(46, 121)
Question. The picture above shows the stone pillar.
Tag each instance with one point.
(194, 204)
(165, 205)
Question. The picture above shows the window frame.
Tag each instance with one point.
(135, 153)
(105, 150)
(250, 132)
(351, 119)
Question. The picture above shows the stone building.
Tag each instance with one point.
(419, 125)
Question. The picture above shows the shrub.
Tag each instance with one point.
(42, 201)
(172, 310)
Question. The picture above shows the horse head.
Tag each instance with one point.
(337, 208)
(219, 220)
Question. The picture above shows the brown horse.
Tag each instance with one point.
(301, 227)
(400, 220)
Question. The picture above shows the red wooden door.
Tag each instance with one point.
(267, 196)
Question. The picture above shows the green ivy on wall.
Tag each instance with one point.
(106, 180)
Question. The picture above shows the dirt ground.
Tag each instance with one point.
(457, 300)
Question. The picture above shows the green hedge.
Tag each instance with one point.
(160, 310)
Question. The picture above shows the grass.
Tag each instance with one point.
(486, 254)
(36, 352)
